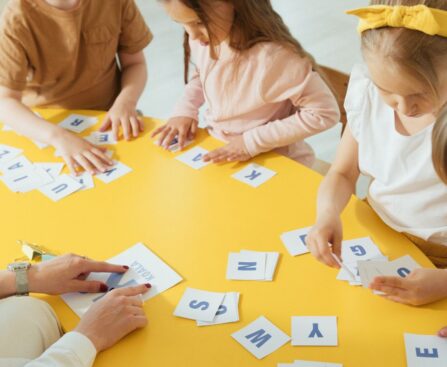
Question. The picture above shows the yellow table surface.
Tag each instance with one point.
(192, 220)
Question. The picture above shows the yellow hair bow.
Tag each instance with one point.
(419, 17)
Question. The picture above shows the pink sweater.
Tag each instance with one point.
(269, 94)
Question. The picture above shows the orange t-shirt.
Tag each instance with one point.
(68, 59)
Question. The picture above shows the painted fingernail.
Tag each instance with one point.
(126, 267)
(103, 288)
(147, 285)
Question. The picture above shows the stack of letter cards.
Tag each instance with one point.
(208, 308)
(252, 265)
(362, 259)
(144, 267)
(253, 174)
(20, 175)
(425, 350)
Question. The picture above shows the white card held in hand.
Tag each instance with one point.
(261, 337)
(254, 175)
(15, 164)
(227, 312)
(7, 153)
(196, 304)
(27, 179)
(425, 350)
(246, 266)
(60, 188)
(314, 330)
(295, 241)
(78, 123)
(145, 267)
(194, 158)
(112, 174)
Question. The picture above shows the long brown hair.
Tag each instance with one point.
(255, 21)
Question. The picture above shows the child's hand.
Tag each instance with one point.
(328, 230)
(234, 151)
(123, 114)
(421, 286)
(78, 152)
(183, 127)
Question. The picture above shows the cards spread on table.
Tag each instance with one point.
(314, 330)
(200, 305)
(254, 175)
(53, 169)
(15, 164)
(86, 180)
(252, 265)
(60, 188)
(425, 350)
(118, 170)
(26, 179)
(194, 158)
(7, 153)
(78, 123)
(227, 312)
(145, 267)
(295, 241)
(261, 337)
(101, 138)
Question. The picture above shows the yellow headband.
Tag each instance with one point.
(419, 17)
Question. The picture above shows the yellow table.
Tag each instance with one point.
(193, 219)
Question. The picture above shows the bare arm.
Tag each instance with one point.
(333, 196)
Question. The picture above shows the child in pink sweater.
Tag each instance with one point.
(262, 89)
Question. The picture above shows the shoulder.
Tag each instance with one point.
(14, 18)
(361, 90)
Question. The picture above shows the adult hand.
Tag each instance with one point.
(67, 273)
(114, 316)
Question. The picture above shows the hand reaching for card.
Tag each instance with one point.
(182, 128)
(328, 230)
(123, 114)
(117, 314)
(78, 152)
(234, 151)
(67, 273)
(420, 287)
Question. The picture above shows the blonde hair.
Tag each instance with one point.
(439, 141)
(414, 52)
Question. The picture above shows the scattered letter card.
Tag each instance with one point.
(254, 175)
(246, 266)
(78, 123)
(194, 158)
(118, 170)
(196, 304)
(228, 311)
(425, 350)
(295, 241)
(314, 330)
(145, 267)
(60, 188)
(7, 153)
(261, 337)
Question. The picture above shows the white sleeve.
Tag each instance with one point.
(72, 350)
(357, 99)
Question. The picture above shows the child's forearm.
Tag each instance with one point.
(334, 194)
(133, 82)
(24, 121)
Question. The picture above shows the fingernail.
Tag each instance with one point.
(147, 285)
(126, 267)
(103, 288)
